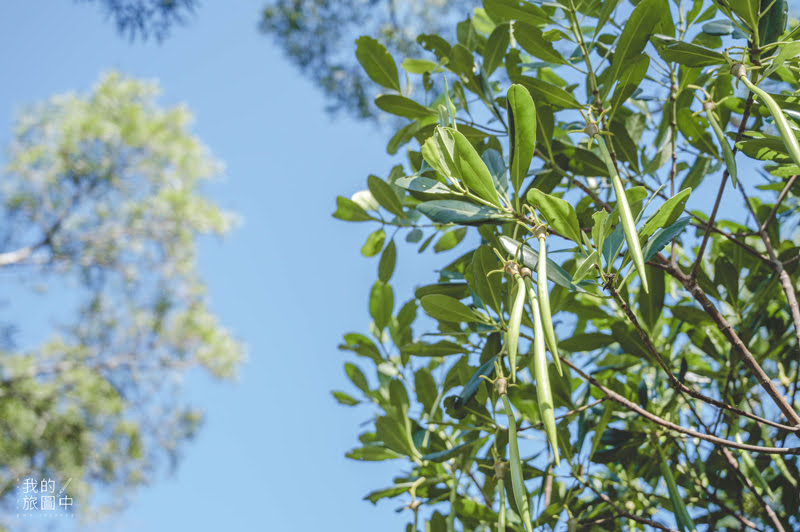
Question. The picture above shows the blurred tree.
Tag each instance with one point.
(100, 203)
(318, 37)
(147, 17)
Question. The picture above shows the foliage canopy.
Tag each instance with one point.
(651, 150)
(101, 206)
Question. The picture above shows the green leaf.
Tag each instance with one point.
(439, 349)
(460, 212)
(637, 30)
(786, 53)
(772, 23)
(394, 491)
(344, 399)
(532, 41)
(765, 149)
(507, 10)
(377, 62)
(471, 168)
(402, 106)
(486, 370)
(663, 237)
(459, 290)
(381, 303)
(718, 27)
(395, 435)
(690, 55)
(387, 262)
(487, 287)
(350, 211)
(419, 66)
(580, 342)
(423, 184)
(666, 214)
(373, 453)
(446, 308)
(385, 196)
(552, 94)
(425, 388)
(374, 243)
(443, 456)
(450, 239)
(630, 79)
(495, 49)
(357, 377)
(521, 132)
(559, 214)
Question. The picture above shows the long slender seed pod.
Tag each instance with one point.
(752, 472)
(501, 514)
(681, 514)
(625, 215)
(517, 482)
(544, 395)
(514, 322)
(789, 140)
(544, 302)
(727, 153)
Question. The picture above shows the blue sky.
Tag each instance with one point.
(288, 282)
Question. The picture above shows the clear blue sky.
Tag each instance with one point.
(288, 282)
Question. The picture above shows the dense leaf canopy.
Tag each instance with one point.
(650, 150)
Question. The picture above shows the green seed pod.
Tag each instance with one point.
(544, 395)
(625, 215)
(517, 480)
(514, 322)
(544, 302)
(727, 153)
(789, 140)
(679, 509)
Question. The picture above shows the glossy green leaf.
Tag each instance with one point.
(385, 196)
(630, 79)
(458, 290)
(423, 184)
(460, 212)
(507, 10)
(666, 214)
(690, 55)
(402, 106)
(350, 211)
(439, 349)
(419, 66)
(559, 214)
(579, 342)
(374, 243)
(521, 131)
(373, 453)
(547, 92)
(446, 308)
(642, 23)
(377, 62)
(718, 27)
(471, 168)
(387, 262)
(474, 382)
(496, 47)
(381, 303)
(450, 239)
(486, 286)
(663, 237)
(531, 39)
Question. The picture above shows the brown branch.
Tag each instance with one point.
(614, 396)
(677, 384)
(777, 265)
(623, 512)
(570, 413)
(734, 465)
(778, 202)
(742, 126)
(727, 329)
